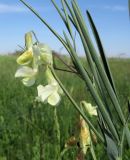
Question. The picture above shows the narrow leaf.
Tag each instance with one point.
(101, 51)
(112, 150)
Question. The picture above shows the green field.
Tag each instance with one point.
(27, 129)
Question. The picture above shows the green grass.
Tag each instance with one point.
(26, 128)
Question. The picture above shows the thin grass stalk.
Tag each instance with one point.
(67, 19)
(58, 10)
(64, 18)
(68, 24)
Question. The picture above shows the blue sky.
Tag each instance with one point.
(110, 16)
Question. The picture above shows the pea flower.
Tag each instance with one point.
(48, 94)
(29, 62)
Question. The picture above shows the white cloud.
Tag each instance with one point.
(5, 8)
(115, 8)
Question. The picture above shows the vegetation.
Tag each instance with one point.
(27, 129)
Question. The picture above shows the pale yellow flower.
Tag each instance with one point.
(29, 62)
(48, 94)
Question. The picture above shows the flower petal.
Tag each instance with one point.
(36, 57)
(54, 99)
(25, 58)
(89, 108)
(84, 135)
(49, 77)
(28, 81)
(25, 72)
(28, 40)
(45, 91)
(46, 54)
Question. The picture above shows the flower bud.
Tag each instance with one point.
(28, 40)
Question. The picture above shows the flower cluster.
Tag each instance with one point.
(37, 54)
